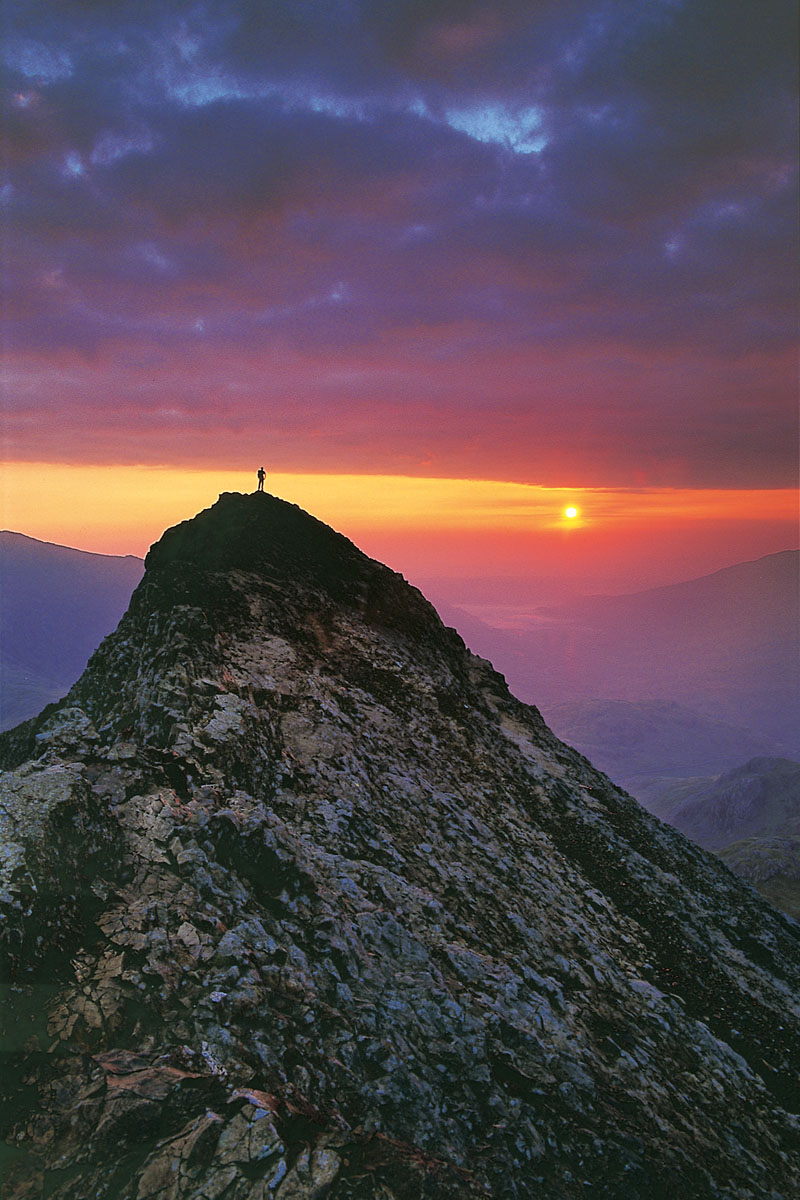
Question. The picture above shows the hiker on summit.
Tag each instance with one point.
(262, 475)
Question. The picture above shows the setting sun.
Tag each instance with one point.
(571, 513)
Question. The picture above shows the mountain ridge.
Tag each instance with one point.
(12, 536)
(761, 798)
(638, 741)
(334, 914)
(48, 627)
(777, 560)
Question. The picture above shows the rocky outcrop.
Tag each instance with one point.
(350, 921)
(54, 835)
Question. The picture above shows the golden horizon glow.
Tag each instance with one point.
(123, 509)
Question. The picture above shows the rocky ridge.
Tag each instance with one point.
(299, 902)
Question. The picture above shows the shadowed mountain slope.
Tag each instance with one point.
(56, 606)
(772, 864)
(301, 902)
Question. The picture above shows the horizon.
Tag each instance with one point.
(478, 512)
(452, 273)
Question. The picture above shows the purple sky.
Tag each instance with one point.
(550, 242)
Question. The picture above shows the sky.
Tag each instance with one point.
(444, 267)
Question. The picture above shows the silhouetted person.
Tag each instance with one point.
(262, 475)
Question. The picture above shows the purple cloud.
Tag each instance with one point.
(481, 209)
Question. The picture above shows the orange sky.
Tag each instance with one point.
(558, 250)
(427, 528)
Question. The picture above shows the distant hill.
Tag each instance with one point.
(760, 799)
(750, 817)
(725, 646)
(56, 606)
(772, 865)
(638, 741)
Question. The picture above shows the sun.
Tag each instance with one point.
(571, 513)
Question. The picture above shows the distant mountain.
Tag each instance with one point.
(750, 817)
(772, 865)
(638, 741)
(56, 606)
(760, 799)
(725, 646)
(673, 761)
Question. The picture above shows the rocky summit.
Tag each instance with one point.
(299, 902)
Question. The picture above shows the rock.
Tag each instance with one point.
(55, 835)
(302, 902)
(311, 1176)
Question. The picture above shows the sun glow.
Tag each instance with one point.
(424, 527)
(571, 513)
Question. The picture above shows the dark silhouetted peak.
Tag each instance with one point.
(259, 532)
(282, 545)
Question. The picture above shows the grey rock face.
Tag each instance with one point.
(358, 924)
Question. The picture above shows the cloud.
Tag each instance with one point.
(479, 212)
